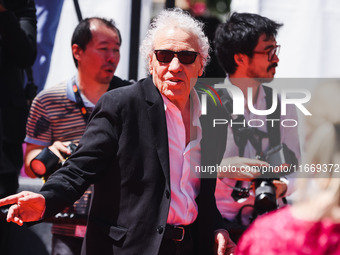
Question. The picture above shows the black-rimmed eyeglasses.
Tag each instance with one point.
(271, 53)
(185, 57)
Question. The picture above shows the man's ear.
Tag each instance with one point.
(150, 64)
(77, 51)
(200, 73)
(239, 58)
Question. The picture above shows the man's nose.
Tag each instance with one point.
(175, 65)
(275, 59)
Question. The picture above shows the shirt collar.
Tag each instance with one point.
(195, 102)
(70, 94)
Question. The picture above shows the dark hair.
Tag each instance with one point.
(82, 34)
(240, 34)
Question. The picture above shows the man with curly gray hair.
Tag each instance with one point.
(176, 18)
(138, 151)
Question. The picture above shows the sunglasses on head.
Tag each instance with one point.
(185, 57)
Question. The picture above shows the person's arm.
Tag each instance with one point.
(32, 150)
(93, 157)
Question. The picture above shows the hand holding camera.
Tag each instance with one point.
(51, 158)
(240, 168)
(62, 149)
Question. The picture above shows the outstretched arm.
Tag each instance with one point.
(27, 206)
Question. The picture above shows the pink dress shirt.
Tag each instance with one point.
(183, 181)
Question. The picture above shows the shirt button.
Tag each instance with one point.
(160, 229)
(167, 194)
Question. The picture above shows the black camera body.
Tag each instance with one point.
(265, 191)
(265, 196)
(46, 162)
(279, 156)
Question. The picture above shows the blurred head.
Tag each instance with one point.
(323, 106)
(96, 48)
(252, 37)
(322, 147)
(177, 51)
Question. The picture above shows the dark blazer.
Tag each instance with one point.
(124, 152)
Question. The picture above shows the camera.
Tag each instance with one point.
(265, 196)
(279, 158)
(265, 191)
(46, 162)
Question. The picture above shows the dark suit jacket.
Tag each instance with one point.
(124, 152)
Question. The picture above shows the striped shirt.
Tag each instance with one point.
(55, 116)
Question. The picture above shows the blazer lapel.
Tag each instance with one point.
(158, 122)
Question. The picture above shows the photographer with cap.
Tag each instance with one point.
(247, 50)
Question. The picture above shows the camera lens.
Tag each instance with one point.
(44, 163)
(265, 196)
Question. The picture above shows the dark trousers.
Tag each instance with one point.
(171, 247)
(66, 245)
(4, 233)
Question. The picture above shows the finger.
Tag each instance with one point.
(65, 148)
(221, 246)
(18, 221)
(13, 215)
(10, 199)
(230, 250)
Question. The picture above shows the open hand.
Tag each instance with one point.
(27, 206)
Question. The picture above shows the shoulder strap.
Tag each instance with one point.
(273, 131)
(80, 103)
(239, 139)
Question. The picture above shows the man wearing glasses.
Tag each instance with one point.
(137, 150)
(247, 50)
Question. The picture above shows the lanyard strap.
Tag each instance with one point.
(80, 103)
